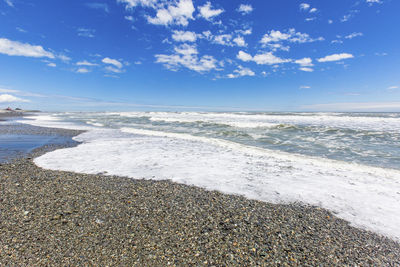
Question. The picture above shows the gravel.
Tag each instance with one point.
(63, 218)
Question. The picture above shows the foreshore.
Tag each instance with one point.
(63, 218)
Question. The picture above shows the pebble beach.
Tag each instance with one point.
(64, 218)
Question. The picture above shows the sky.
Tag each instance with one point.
(217, 55)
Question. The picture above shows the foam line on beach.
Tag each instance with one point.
(368, 197)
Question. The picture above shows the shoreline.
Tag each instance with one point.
(65, 218)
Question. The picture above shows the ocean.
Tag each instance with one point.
(348, 163)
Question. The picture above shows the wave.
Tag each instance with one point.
(366, 196)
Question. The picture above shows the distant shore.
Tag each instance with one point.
(63, 218)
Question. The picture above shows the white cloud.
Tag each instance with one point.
(86, 32)
(184, 36)
(51, 64)
(290, 36)
(313, 10)
(277, 46)
(6, 98)
(186, 56)
(330, 21)
(20, 93)
(245, 9)
(82, 70)
(239, 41)
(240, 72)
(111, 61)
(20, 29)
(134, 3)
(15, 48)
(304, 62)
(393, 87)
(101, 6)
(245, 32)
(223, 39)
(186, 49)
(336, 42)
(244, 56)
(113, 69)
(9, 3)
(310, 19)
(353, 35)
(306, 69)
(85, 63)
(305, 87)
(5, 90)
(304, 6)
(374, 1)
(64, 57)
(207, 12)
(266, 58)
(335, 57)
(130, 18)
(173, 13)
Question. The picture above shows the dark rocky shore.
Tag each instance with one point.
(61, 218)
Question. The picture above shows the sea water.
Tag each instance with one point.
(348, 163)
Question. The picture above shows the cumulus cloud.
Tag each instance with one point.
(266, 58)
(245, 32)
(85, 63)
(304, 6)
(86, 32)
(289, 36)
(133, 3)
(245, 9)
(187, 56)
(130, 18)
(113, 69)
(111, 61)
(239, 41)
(269, 59)
(207, 12)
(173, 13)
(374, 1)
(15, 48)
(306, 69)
(184, 36)
(82, 70)
(6, 98)
(240, 72)
(51, 64)
(353, 35)
(313, 10)
(304, 62)
(223, 39)
(335, 57)
(244, 56)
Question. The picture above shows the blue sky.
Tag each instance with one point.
(276, 55)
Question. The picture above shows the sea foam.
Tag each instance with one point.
(367, 197)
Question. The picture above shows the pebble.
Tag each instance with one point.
(55, 218)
